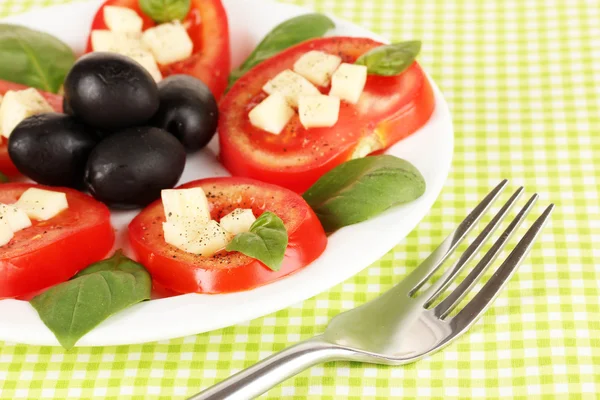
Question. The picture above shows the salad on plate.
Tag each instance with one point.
(301, 124)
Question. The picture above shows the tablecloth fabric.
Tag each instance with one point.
(522, 79)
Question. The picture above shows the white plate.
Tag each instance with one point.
(349, 251)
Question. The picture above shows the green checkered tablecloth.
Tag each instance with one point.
(523, 81)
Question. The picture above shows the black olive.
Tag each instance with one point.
(188, 110)
(67, 107)
(100, 133)
(130, 168)
(110, 91)
(52, 149)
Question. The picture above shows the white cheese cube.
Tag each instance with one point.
(16, 218)
(6, 234)
(146, 60)
(18, 105)
(348, 82)
(176, 235)
(116, 42)
(272, 114)
(42, 204)
(126, 44)
(317, 66)
(168, 43)
(291, 86)
(122, 19)
(205, 240)
(318, 111)
(238, 221)
(187, 207)
(211, 239)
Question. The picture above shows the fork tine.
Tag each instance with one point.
(433, 292)
(424, 271)
(449, 303)
(485, 297)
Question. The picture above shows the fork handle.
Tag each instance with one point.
(257, 379)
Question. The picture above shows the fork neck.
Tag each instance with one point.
(273, 370)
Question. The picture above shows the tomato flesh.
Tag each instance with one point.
(6, 165)
(50, 252)
(207, 26)
(389, 109)
(227, 271)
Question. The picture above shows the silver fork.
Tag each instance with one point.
(401, 326)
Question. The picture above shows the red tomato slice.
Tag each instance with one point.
(227, 271)
(50, 252)
(6, 165)
(209, 30)
(389, 109)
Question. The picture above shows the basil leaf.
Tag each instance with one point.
(33, 58)
(391, 59)
(266, 241)
(3, 178)
(363, 188)
(165, 10)
(283, 36)
(73, 308)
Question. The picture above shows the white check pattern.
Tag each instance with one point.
(523, 81)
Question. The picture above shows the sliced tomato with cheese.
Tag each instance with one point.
(389, 109)
(6, 165)
(52, 251)
(207, 26)
(183, 272)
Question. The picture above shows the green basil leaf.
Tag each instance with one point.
(266, 241)
(363, 188)
(33, 58)
(283, 36)
(3, 178)
(73, 308)
(165, 10)
(391, 59)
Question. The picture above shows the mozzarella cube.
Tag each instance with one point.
(348, 82)
(175, 234)
(238, 221)
(205, 240)
(16, 218)
(129, 45)
(122, 19)
(116, 42)
(317, 66)
(318, 111)
(42, 204)
(146, 60)
(168, 43)
(291, 86)
(18, 105)
(187, 207)
(272, 114)
(6, 234)
(211, 239)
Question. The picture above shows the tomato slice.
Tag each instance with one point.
(389, 109)
(6, 165)
(208, 28)
(227, 271)
(50, 252)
